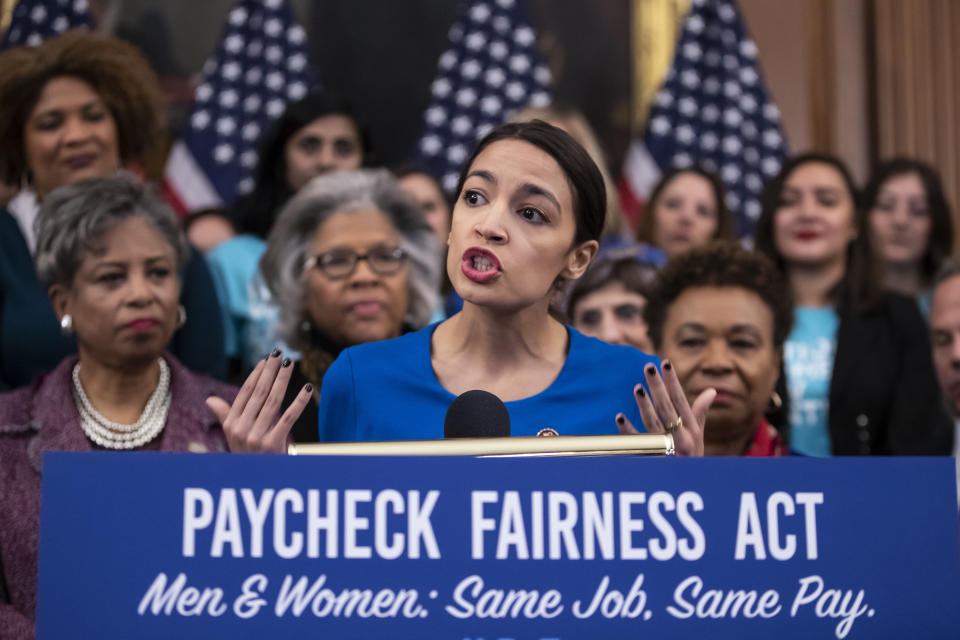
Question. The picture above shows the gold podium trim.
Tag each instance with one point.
(643, 444)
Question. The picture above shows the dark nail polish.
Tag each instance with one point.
(285, 363)
(641, 392)
(666, 366)
(651, 370)
(619, 419)
(275, 353)
(309, 388)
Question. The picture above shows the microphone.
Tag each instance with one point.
(476, 414)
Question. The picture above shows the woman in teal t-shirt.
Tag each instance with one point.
(859, 376)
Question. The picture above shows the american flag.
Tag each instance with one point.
(491, 68)
(260, 65)
(712, 111)
(34, 21)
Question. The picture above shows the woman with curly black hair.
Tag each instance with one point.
(720, 315)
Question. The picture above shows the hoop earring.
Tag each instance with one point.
(66, 324)
(181, 316)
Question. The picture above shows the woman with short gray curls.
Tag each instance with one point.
(350, 259)
(109, 253)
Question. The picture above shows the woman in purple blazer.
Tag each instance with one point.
(109, 254)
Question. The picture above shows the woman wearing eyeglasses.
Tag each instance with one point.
(350, 259)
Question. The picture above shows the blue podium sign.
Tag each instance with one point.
(226, 546)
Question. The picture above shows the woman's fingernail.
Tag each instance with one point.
(285, 363)
(308, 388)
(275, 353)
(641, 392)
(666, 365)
(651, 370)
(620, 418)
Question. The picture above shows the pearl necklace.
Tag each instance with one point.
(113, 435)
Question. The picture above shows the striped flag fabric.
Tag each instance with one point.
(712, 111)
(491, 68)
(33, 21)
(259, 66)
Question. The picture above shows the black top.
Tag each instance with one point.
(884, 395)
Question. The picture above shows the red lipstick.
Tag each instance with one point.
(81, 161)
(142, 324)
(480, 265)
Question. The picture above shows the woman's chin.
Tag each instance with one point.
(129, 359)
(360, 334)
(727, 423)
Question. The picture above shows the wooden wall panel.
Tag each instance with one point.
(917, 92)
(821, 70)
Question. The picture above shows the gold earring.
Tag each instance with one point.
(776, 401)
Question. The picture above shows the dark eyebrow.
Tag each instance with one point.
(92, 103)
(746, 328)
(534, 190)
(483, 175)
(526, 188)
(696, 326)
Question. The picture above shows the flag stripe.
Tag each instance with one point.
(641, 170)
(187, 184)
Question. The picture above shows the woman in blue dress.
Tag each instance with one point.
(527, 219)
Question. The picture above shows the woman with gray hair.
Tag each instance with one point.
(109, 254)
(350, 259)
